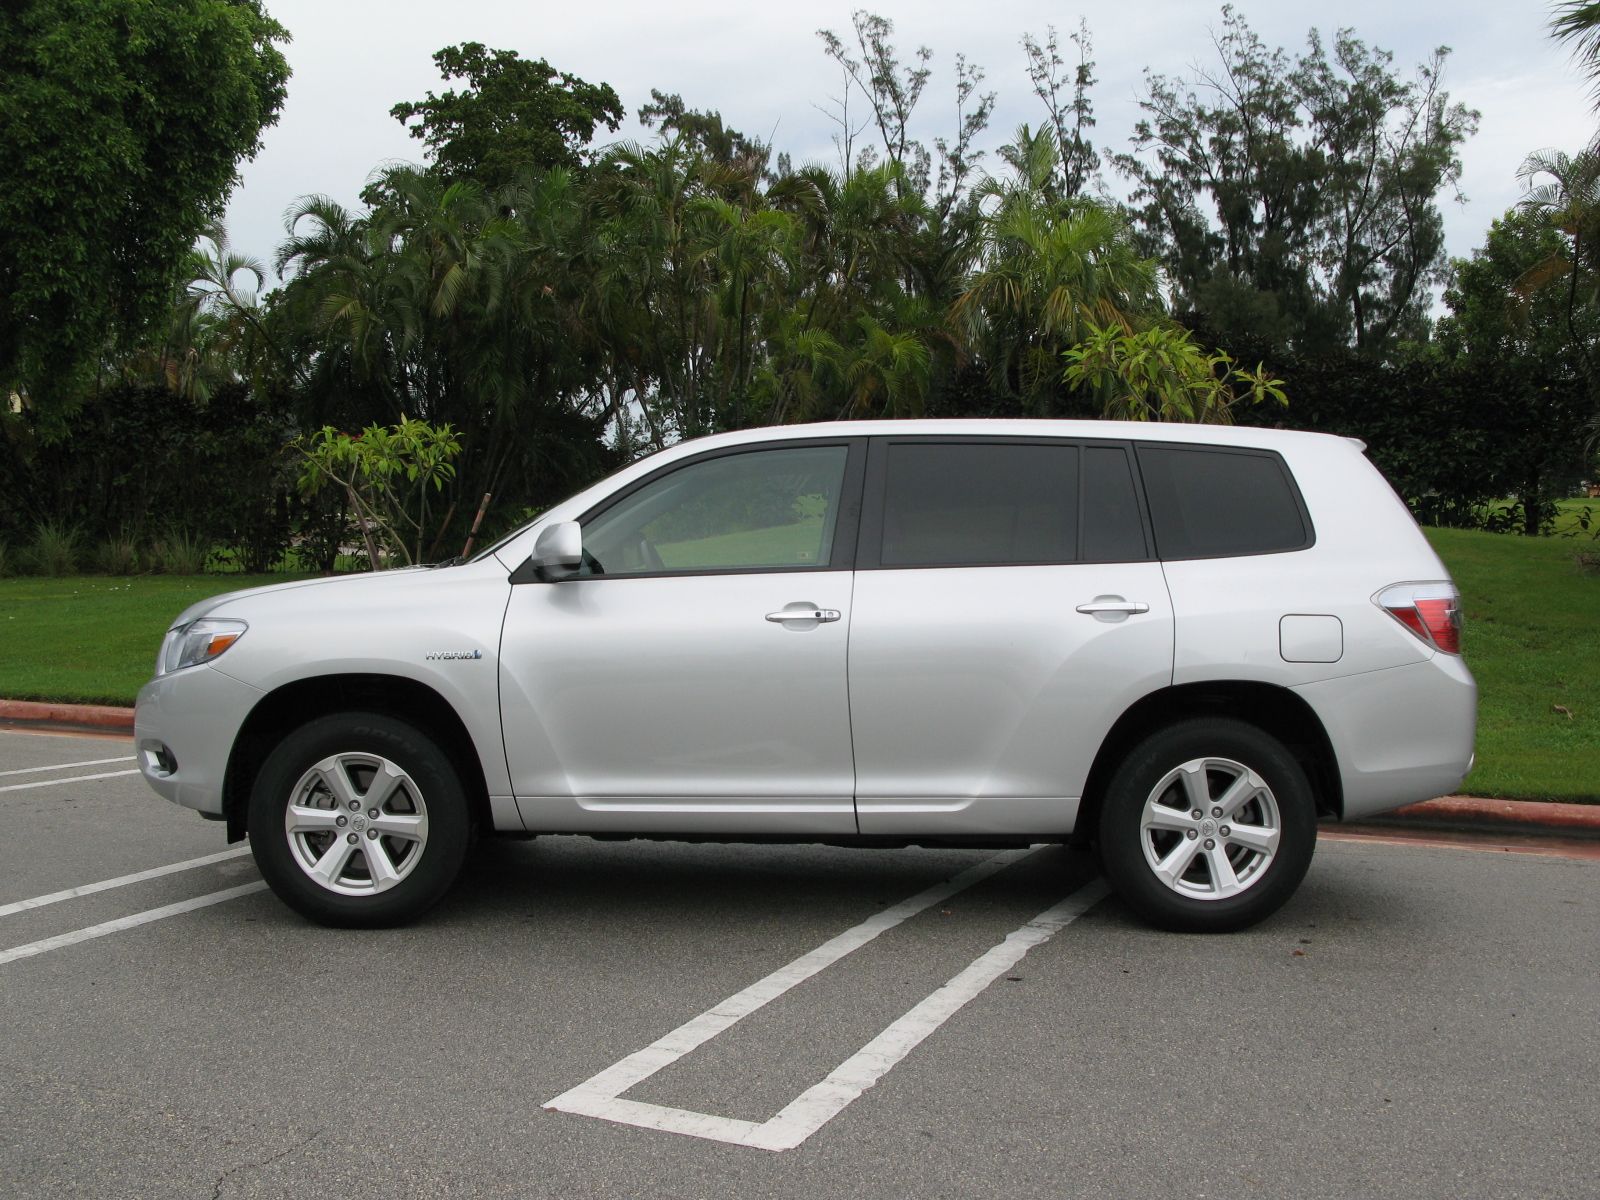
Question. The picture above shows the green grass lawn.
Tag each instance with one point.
(92, 639)
(1570, 514)
(1532, 640)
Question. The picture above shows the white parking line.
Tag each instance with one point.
(117, 926)
(601, 1095)
(106, 885)
(92, 762)
(39, 783)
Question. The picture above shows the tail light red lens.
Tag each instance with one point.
(1431, 611)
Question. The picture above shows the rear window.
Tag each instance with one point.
(1215, 503)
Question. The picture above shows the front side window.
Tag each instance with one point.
(979, 504)
(760, 509)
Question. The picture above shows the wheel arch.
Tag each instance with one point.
(1277, 711)
(292, 705)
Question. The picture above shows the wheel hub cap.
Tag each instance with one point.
(1210, 828)
(356, 824)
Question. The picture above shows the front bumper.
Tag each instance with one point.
(184, 727)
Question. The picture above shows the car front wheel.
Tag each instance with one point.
(359, 819)
(1208, 825)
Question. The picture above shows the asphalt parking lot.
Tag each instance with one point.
(623, 1019)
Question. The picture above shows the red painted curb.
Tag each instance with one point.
(1479, 810)
(93, 716)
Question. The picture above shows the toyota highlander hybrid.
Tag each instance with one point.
(1180, 644)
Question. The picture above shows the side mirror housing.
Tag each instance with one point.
(558, 551)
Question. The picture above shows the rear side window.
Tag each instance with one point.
(1112, 528)
(975, 504)
(1215, 503)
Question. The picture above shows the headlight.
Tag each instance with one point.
(197, 642)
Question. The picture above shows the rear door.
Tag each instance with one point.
(1007, 609)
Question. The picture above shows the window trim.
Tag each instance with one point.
(870, 544)
(848, 518)
(1250, 451)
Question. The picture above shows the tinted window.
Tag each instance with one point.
(764, 508)
(969, 504)
(1214, 503)
(1112, 530)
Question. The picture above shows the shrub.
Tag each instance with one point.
(117, 555)
(55, 549)
(179, 552)
(6, 565)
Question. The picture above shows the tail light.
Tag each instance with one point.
(1432, 611)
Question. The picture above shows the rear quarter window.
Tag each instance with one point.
(1216, 502)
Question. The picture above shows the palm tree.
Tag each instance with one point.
(1049, 270)
(1578, 22)
(1570, 198)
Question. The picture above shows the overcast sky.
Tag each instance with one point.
(761, 65)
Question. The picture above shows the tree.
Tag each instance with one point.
(387, 473)
(1300, 193)
(1565, 190)
(890, 89)
(1048, 270)
(1071, 119)
(1578, 22)
(516, 114)
(124, 123)
(705, 131)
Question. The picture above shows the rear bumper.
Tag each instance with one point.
(1400, 735)
(184, 727)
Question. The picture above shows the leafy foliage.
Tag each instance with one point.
(136, 456)
(388, 474)
(123, 123)
(515, 114)
(1297, 196)
(1162, 374)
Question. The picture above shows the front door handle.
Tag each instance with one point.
(1113, 604)
(806, 613)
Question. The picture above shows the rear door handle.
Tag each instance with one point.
(823, 615)
(1113, 604)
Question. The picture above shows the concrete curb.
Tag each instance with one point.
(1503, 816)
(99, 717)
(1447, 812)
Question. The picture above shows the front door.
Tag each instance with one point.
(692, 677)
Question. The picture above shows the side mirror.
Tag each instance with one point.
(558, 552)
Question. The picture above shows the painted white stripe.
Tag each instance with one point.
(144, 918)
(39, 783)
(601, 1096)
(92, 762)
(106, 885)
(818, 1105)
(663, 1052)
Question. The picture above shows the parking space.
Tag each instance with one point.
(585, 1018)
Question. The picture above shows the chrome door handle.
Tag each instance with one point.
(822, 615)
(1113, 604)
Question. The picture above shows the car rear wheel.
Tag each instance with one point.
(1208, 825)
(359, 819)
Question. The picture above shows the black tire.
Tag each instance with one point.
(422, 831)
(1196, 895)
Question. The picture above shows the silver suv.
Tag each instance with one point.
(1182, 644)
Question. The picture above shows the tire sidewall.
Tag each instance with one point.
(449, 824)
(1121, 838)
